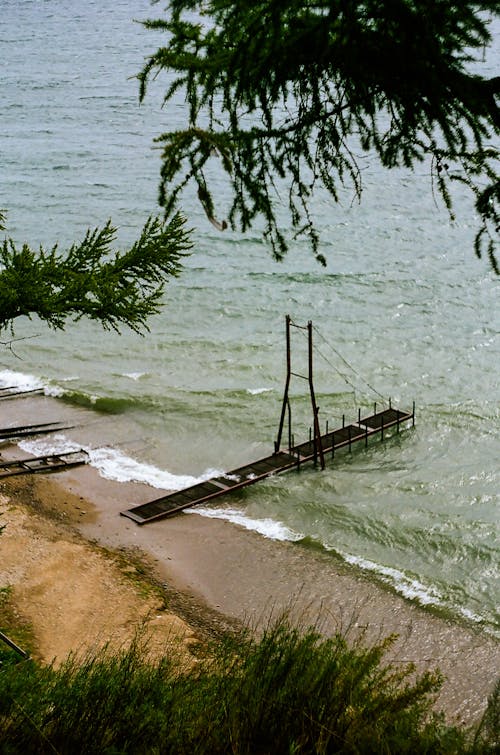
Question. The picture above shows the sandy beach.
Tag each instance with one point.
(213, 574)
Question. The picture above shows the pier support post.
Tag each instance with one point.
(285, 394)
(318, 447)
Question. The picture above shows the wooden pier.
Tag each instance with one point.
(26, 431)
(312, 450)
(12, 391)
(40, 464)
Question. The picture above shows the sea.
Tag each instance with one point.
(404, 311)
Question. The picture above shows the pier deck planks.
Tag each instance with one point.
(251, 473)
(40, 464)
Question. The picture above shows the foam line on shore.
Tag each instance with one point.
(269, 528)
(403, 584)
(408, 586)
(20, 380)
(113, 464)
(24, 382)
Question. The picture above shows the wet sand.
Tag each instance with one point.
(241, 575)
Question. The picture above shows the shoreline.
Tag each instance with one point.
(221, 575)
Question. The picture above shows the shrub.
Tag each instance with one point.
(287, 691)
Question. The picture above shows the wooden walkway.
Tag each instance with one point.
(40, 464)
(11, 391)
(23, 431)
(345, 437)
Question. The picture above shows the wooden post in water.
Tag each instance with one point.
(290, 437)
(317, 432)
(277, 443)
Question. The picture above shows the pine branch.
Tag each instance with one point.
(283, 89)
(90, 281)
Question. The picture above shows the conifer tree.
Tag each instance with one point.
(90, 280)
(286, 91)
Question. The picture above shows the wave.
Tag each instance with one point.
(270, 528)
(311, 277)
(113, 464)
(107, 404)
(20, 381)
(410, 587)
(121, 403)
(104, 404)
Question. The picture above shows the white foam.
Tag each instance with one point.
(256, 391)
(54, 390)
(269, 528)
(115, 465)
(471, 616)
(134, 375)
(56, 444)
(407, 586)
(23, 382)
(19, 380)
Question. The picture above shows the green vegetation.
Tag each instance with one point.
(89, 280)
(286, 692)
(287, 94)
(13, 629)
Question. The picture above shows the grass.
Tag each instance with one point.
(18, 630)
(288, 691)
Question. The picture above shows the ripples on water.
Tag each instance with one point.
(403, 300)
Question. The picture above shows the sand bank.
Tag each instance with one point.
(65, 595)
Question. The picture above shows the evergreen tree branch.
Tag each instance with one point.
(284, 90)
(116, 290)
